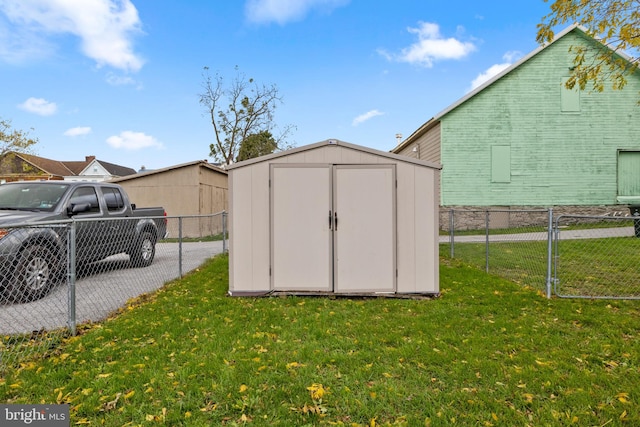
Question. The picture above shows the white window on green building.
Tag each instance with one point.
(569, 98)
(500, 163)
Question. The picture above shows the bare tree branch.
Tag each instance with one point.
(237, 111)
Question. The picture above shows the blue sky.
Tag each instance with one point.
(119, 79)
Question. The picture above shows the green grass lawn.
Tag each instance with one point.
(487, 352)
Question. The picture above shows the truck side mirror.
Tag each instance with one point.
(78, 208)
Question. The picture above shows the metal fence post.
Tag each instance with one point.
(486, 230)
(451, 232)
(549, 251)
(224, 232)
(180, 246)
(71, 277)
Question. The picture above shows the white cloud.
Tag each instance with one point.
(131, 141)
(494, 70)
(283, 11)
(366, 116)
(39, 106)
(18, 46)
(430, 47)
(78, 131)
(116, 80)
(104, 27)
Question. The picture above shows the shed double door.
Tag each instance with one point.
(333, 228)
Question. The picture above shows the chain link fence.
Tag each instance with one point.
(510, 243)
(81, 271)
(573, 256)
(56, 276)
(596, 257)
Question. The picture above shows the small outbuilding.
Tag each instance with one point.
(333, 218)
(187, 189)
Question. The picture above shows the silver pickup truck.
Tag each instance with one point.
(34, 237)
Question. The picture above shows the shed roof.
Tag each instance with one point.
(201, 163)
(335, 142)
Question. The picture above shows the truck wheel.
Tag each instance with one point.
(144, 250)
(36, 273)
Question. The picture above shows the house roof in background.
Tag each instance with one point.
(52, 167)
(78, 166)
(114, 169)
(72, 168)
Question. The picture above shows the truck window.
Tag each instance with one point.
(31, 196)
(113, 199)
(86, 195)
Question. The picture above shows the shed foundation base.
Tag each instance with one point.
(415, 296)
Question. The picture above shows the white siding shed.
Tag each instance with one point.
(333, 218)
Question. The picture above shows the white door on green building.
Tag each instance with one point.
(629, 176)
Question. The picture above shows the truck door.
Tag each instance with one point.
(120, 232)
(88, 233)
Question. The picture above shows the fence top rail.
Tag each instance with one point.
(603, 217)
(501, 210)
(134, 218)
(65, 222)
(59, 222)
(196, 216)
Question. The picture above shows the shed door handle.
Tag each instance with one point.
(335, 221)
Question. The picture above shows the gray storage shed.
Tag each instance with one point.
(333, 218)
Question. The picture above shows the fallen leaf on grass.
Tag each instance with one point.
(109, 406)
(317, 391)
(611, 364)
(623, 397)
(294, 365)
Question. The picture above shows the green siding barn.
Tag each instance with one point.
(523, 139)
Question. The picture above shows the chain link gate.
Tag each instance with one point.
(596, 257)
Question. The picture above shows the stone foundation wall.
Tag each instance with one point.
(474, 217)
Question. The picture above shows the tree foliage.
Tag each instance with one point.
(257, 145)
(13, 139)
(237, 112)
(616, 23)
